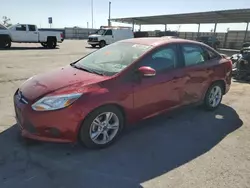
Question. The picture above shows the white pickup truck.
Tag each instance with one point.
(27, 33)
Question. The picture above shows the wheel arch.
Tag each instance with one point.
(51, 38)
(5, 36)
(118, 106)
(219, 81)
(222, 83)
(103, 40)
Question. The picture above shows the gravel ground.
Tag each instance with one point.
(187, 148)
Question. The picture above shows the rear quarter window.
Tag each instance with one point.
(211, 54)
(193, 54)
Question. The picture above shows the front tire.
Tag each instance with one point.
(5, 42)
(213, 96)
(101, 127)
(102, 44)
(8, 43)
(93, 45)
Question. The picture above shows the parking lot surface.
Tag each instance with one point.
(187, 148)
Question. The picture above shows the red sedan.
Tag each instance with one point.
(92, 99)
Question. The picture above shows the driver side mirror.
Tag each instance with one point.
(147, 71)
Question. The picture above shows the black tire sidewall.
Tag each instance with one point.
(8, 43)
(102, 44)
(206, 100)
(51, 43)
(5, 41)
(84, 136)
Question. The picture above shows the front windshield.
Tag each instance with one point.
(100, 31)
(12, 26)
(113, 58)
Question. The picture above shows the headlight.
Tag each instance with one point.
(55, 102)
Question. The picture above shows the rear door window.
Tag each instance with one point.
(163, 59)
(32, 27)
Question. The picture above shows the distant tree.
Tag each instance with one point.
(6, 21)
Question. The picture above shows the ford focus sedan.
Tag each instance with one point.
(93, 99)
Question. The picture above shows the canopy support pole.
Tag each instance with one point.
(133, 25)
(245, 37)
(165, 29)
(198, 34)
(140, 27)
(215, 27)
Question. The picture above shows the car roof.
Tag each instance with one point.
(158, 41)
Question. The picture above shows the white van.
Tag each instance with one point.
(109, 35)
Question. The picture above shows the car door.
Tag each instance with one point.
(109, 36)
(18, 33)
(198, 71)
(32, 34)
(153, 95)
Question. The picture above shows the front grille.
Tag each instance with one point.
(92, 39)
(18, 115)
(21, 98)
(20, 102)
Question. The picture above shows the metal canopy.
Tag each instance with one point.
(224, 16)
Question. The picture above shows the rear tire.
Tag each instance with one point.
(213, 96)
(51, 43)
(96, 126)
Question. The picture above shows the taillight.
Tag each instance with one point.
(230, 63)
(62, 35)
(224, 56)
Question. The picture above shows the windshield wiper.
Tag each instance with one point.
(87, 70)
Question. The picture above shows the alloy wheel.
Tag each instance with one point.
(104, 128)
(215, 96)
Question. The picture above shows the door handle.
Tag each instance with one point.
(176, 77)
(35, 32)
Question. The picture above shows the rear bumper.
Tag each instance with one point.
(60, 41)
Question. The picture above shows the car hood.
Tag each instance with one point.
(57, 79)
(94, 35)
(4, 31)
